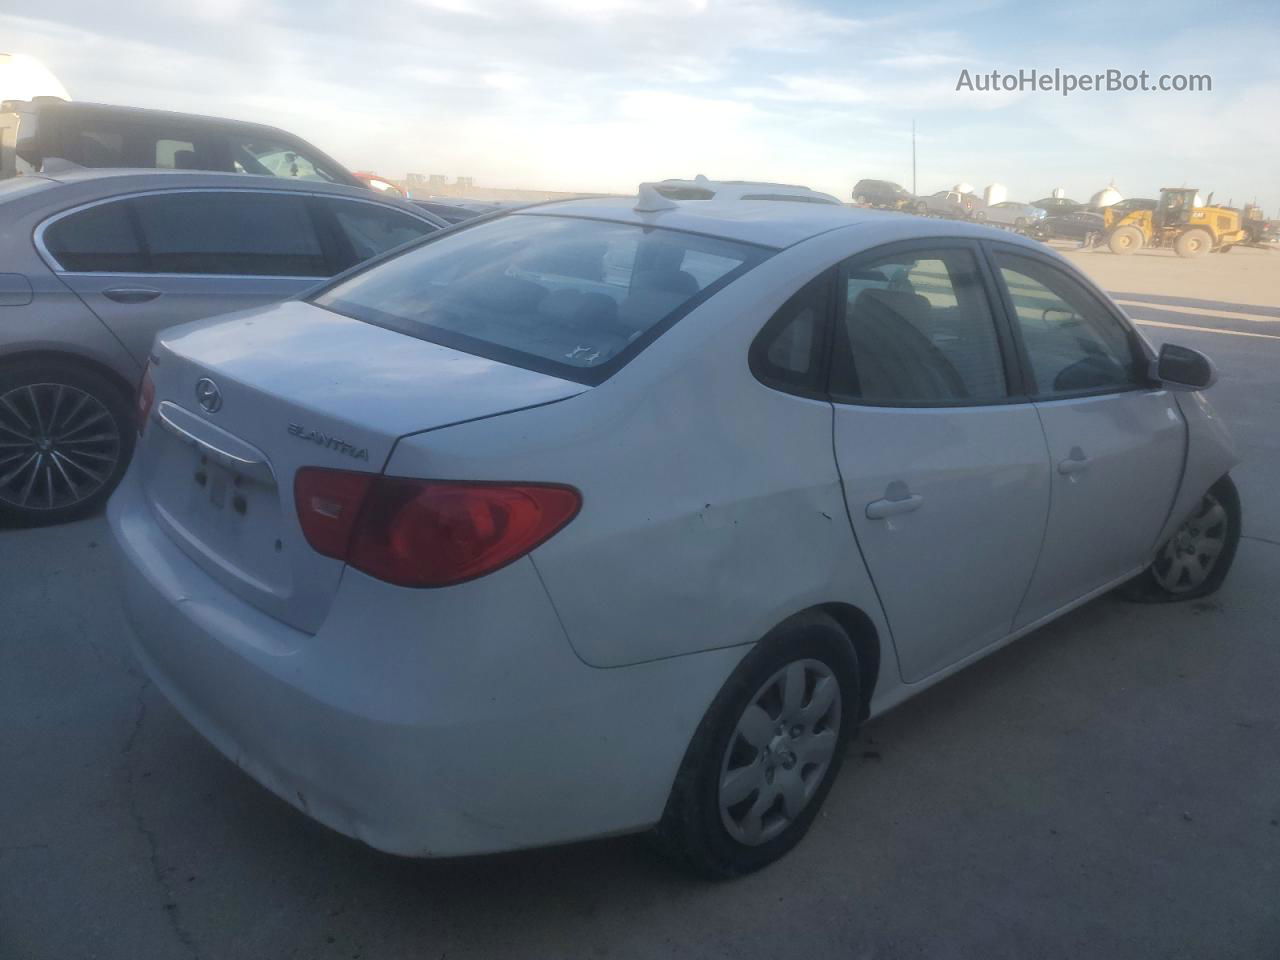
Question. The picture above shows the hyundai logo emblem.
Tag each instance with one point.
(208, 395)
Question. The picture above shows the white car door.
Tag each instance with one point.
(1116, 440)
(944, 467)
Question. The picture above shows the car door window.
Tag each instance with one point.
(241, 233)
(274, 159)
(175, 154)
(1074, 344)
(789, 352)
(372, 229)
(99, 239)
(916, 330)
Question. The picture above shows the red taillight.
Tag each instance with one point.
(146, 399)
(427, 533)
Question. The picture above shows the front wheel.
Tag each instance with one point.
(766, 753)
(1195, 561)
(1125, 240)
(1193, 243)
(922, 209)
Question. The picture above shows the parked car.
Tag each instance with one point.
(1121, 207)
(95, 262)
(702, 188)
(103, 135)
(1010, 213)
(1082, 225)
(486, 546)
(1058, 206)
(950, 204)
(881, 193)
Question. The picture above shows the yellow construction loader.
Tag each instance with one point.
(1175, 222)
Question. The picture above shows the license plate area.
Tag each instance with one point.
(227, 519)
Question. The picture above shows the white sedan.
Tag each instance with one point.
(620, 515)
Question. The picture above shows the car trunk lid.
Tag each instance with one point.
(242, 403)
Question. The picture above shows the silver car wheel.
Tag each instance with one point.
(1187, 560)
(58, 446)
(780, 751)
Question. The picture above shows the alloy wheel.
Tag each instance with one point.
(58, 446)
(1187, 560)
(780, 751)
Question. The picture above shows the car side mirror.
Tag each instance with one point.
(1181, 368)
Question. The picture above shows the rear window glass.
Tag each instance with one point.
(571, 297)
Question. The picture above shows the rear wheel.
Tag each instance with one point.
(922, 208)
(1125, 240)
(979, 215)
(766, 753)
(1020, 224)
(1196, 559)
(66, 435)
(1193, 243)
(860, 199)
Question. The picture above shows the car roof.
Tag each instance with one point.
(140, 113)
(71, 185)
(742, 190)
(62, 172)
(766, 223)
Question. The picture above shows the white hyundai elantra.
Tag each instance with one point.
(617, 515)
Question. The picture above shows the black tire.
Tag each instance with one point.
(1020, 224)
(922, 209)
(1152, 585)
(693, 832)
(51, 488)
(860, 199)
(979, 215)
(1193, 243)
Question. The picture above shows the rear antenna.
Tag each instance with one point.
(651, 201)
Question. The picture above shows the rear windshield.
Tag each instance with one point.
(571, 297)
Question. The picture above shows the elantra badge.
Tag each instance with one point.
(328, 442)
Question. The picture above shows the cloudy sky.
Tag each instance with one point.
(601, 94)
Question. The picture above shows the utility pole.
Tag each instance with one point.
(913, 158)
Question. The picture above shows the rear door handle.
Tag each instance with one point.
(879, 509)
(131, 294)
(1074, 463)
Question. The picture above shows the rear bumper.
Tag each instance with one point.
(422, 722)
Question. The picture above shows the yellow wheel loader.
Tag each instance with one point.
(1176, 222)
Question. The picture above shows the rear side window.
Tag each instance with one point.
(371, 229)
(917, 330)
(223, 232)
(571, 297)
(788, 354)
(175, 155)
(99, 239)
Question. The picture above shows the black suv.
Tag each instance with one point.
(100, 135)
(881, 193)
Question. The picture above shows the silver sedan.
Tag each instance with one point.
(1010, 213)
(94, 262)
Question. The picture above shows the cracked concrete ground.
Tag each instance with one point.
(1108, 787)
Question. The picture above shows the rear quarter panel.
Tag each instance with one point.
(712, 508)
